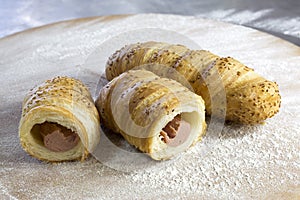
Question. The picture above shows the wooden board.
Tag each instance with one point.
(241, 162)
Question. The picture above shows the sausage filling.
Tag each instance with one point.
(58, 138)
(175, 132)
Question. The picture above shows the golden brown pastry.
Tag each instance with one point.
(250, 98)
(157, 115)
(59, 121)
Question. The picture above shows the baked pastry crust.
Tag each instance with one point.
(250, 98)
(139, 104)
(67, 102)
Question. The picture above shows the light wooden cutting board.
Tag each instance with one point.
(241, 162)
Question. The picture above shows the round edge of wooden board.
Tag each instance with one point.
(110, 18)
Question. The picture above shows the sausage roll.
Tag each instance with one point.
(157, 115)
(59, 121)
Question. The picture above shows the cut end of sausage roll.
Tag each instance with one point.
(55, 137)
(180, 133)
(59, 121)
(157, 115)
